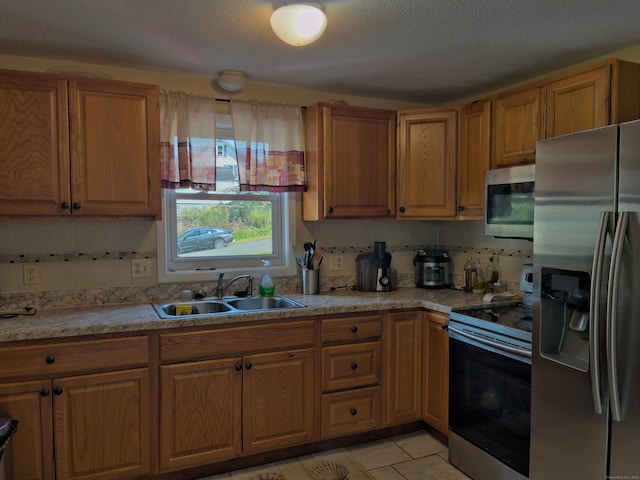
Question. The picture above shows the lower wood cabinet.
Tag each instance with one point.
(88, 409)
(221, 408)
(403, 364)
(350, 411)
(435, 387)
(351, 374)
(83, 412)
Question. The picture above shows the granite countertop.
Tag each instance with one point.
(70, 322)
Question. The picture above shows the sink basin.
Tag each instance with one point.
(184, 309)
(226, 306)
(263, 303)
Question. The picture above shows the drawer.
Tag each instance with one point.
(55, 359)
(349, 412)
(349, 366)
(196, 344)
(351, 329)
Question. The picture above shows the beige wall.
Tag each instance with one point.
(73, 256)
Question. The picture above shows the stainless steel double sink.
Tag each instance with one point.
(226, 306)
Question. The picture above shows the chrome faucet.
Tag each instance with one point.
(221, 288)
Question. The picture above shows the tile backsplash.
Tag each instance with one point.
(84, 263)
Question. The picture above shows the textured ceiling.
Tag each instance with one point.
(428, 51)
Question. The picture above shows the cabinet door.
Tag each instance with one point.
(30, 450)
(34, 144)
(435, 388)
(114, 148)
(403, 347)
(359, 160)
(426, 167)
(102, 425)
(200, 412)
(517, 126)
(277, 400)
(474, 159)
(580, 102)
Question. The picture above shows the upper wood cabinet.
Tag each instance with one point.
(78, 146)
(474, 158)
(590, 97)
(426, 164)
(593, 97)
(517, 126)
(350, 162)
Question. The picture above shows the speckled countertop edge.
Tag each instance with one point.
(71, 322)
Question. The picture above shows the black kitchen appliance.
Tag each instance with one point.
(431, 269)
(373, 270)
(490, 388)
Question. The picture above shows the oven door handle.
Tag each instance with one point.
(523, 352)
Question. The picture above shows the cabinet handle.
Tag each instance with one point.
(354, 329)
(330, 209)
(76, 206)
(460, 208)
(444, 326)
(248, 366)
(44, 392)
(238, 367)
(50, 359)
(57, 391)
(64, 205)
(354, 412)
(354, 366)
(402, 209)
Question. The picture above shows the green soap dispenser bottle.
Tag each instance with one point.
(267, 288)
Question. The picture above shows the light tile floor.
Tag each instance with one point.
(414, 456)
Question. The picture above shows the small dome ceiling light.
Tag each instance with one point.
(232, 80)
(298, 24)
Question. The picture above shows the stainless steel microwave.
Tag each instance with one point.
(509, 195)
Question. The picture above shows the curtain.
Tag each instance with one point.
(188, 141)
(269, 146)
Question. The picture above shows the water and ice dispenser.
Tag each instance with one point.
(564, 317)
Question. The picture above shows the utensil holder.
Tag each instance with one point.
(310, 281)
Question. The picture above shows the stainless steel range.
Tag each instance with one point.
(490, 390)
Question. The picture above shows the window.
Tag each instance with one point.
(226, 230)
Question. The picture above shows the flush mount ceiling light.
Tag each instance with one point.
(232, 80)
(298, 24)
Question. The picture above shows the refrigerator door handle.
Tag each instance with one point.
(612, 314)
(594, 311)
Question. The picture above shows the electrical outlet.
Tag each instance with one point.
(336, 262)
(30, 274)
(140, 267)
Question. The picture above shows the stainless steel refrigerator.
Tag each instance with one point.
(585, 394)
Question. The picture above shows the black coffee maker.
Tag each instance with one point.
(373, 270)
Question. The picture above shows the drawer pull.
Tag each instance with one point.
(354, 412)
(57, 391)
(354, 366)
(238, 367)
(50, 359)
(248, 366)
(354, 329)
(44, 392)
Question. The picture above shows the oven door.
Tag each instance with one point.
(489, 402)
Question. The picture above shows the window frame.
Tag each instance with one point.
(208, 268)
